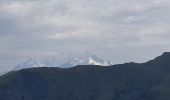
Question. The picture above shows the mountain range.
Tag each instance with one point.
(65, 60)
(129, 81)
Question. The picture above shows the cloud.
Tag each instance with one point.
(108, 27)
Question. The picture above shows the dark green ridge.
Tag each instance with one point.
(129, 81)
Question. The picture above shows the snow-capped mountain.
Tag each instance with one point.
(30, 63)
(65, 60)
(73, 59)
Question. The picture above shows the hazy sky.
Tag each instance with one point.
(116, 30)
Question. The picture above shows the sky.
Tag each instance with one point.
(116, 30)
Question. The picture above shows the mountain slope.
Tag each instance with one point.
(130, 81)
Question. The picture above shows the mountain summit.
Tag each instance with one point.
(65, 60)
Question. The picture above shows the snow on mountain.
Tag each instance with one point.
(30, 63)
(65, 60)
(75, 58)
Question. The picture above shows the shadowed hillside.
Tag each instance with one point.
(130, 81)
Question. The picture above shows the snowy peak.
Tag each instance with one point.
(95, 60)
(83, 59)
(30, 63)
(65, 60)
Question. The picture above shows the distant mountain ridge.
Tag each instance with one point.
(30, 63)
(129, 81)
(64, 61)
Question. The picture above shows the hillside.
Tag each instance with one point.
(129, 81)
